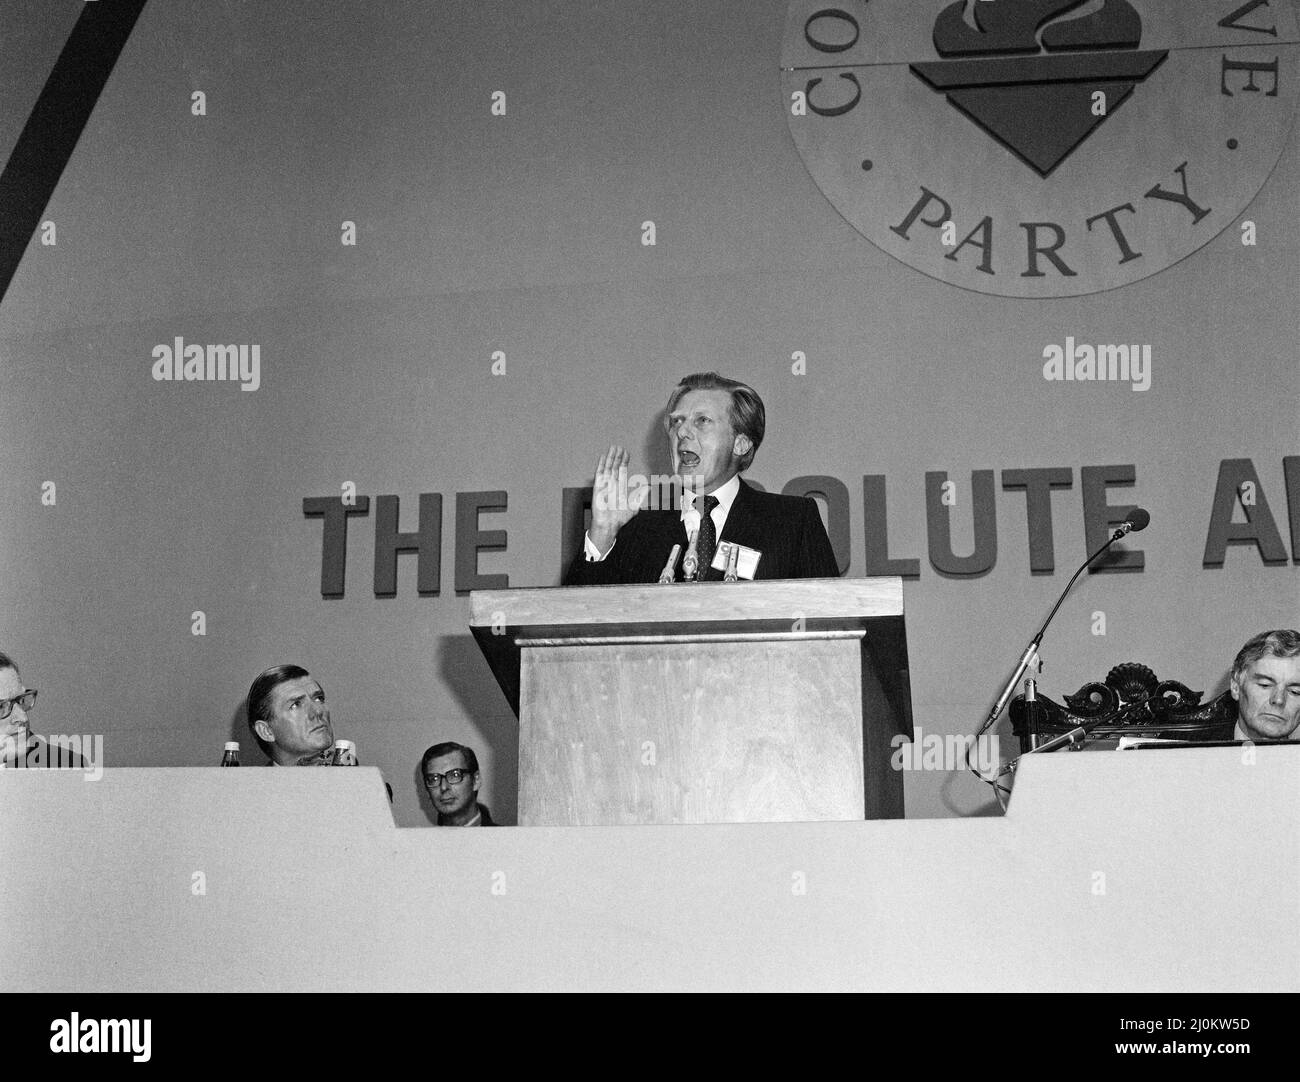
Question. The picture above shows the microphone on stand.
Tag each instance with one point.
(691, 560)
(1137, 519)
(669, 573)
(1074, 737)
(1031, 710)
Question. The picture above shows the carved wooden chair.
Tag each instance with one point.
(1131, 702)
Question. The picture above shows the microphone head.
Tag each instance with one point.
(1139, 518)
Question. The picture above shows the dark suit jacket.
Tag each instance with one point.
(787, 530)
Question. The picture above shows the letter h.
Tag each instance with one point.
(426, 543)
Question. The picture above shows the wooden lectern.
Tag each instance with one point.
(726, 702)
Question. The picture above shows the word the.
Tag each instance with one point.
(210, 364)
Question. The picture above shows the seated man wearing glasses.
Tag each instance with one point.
(452, 778)
(19, 746)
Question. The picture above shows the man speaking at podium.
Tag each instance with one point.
(714, 428)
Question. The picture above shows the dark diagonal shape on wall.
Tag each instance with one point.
(57, 120)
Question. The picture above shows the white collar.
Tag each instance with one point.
(725, 494)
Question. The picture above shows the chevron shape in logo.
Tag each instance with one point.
(1029, 80)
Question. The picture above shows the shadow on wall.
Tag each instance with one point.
(465, 672)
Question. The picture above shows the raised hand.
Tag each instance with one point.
(613, 501)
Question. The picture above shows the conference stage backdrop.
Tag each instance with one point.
(318, 317)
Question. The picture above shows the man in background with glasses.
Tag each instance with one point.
(451, 777)
(19, 746)
(15, 702)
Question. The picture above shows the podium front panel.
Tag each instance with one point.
(684, 732)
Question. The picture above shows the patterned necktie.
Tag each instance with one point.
(706, 542)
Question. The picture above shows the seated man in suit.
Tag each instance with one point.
(714, 427)
(16, 699)
(20, 747)
(289, 718)
(451, 776)
(1266, 685)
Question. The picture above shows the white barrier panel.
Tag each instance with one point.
(1141, 871)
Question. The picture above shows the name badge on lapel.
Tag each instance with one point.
(746, 561)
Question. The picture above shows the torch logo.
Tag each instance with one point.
(1028, 81)
(1041, 148)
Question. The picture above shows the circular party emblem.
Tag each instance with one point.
(1041, 148)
